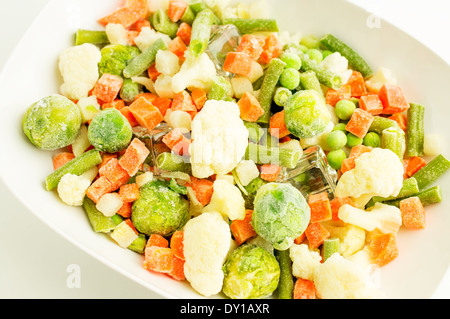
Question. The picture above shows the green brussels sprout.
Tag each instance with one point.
(114, 58)
(52, 122)
(280, 214)
(110, 131)
(250, 272)
(130, 90)
(306, 114)
(159, 210)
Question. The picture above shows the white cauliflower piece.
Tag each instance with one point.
(376, 173)
(109, 204)
(207, 240)
(155, 5)
(304, 261)
(163, 86)
(226, 199)
(81, 143)
(338, 64)
(385, 218)
(381, 77)
(148, 36)
(180, 120)
(219, 137)
(256, 71)
(116, 34)
(351, 238)
(146, 82)
(89, 107)
(240, 85)
(79, 68)
(194, 73)
(72, 189)
(167, 62)
(340, 278)
(246, 171)
(433, 144)
(124, 235)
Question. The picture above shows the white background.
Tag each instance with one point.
(34, 260)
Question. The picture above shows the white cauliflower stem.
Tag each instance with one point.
(72, 189)
(304, 261)
(227, 199)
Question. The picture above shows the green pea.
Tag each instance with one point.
(315, 55)
(340, 127)
(372, 139)
(353, 140)
(335, 158)
(337, 139)
(344, 109)
(290, 78)
(292, 60)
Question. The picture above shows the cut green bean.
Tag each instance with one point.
(89, 36)
(379, 124)
(220, 89)
(261, 154)
(326, 77)
(427, 197)
(188, 16)
(138, 245)
(309, 81)
(268, 87)
(172, 163)
(77, 166)
(201, 32)
(394, 140)
(415, 130)
(142, 62)
(197, 6)
(99, 222)
(409, 188)
(329, 247)
(428, 174)
(246, 26)
(162, 23)
(286, 281)
(333, 44)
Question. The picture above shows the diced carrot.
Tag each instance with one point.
(202, 188)
(371, 103)
(107, 87)
(401, 120)
(131, 35)
(271, 49)
(157, 240)
(129, 116)
(159, 259)
(359, 123)
(199, 98)
(142, 23)
(134, 156)
(242, 230)
(414, 164)
(334, 96)
(393, 99)
(320, 207)
(125, 210)
(129, 192)
(304, 289)
(337, 203)
(270, 172)
(251, 45)
(413, 213)
(62, 158)
(285, 139)
(182, 148)
(145, 113)
(98, 188)
(238, 63)
(316, 233)
(117, 104)
(153, 72)
(300, 239)
(138, 6)
(131, 225)
(356, 151)
(114, 172)
(250, 108)
(178, 47)
(163, 104)
(182, 101)
(184, 32)
(149, 96)
(173, 138)
(357, 84)
(405, 167)
(177, 271)
(383, 249)
(277, 125)
(124, 16)
(105, 159)
(176, 9)
(176, 244)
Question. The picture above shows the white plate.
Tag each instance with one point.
(31, 73)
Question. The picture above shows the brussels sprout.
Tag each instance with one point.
(250, 272)
(110, 131)
(280, 214)
(130, 90)
(159, 210)
(115, 58)
(306, 114)
(52, 122)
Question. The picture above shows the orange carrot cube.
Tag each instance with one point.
(182, 101)
(176, 244)
(393, 99)
(107, 87)
(337, 203)
(238, 63)
(129, 116)
(356, 151)
(371, 103)
(203, 189)
(334, 96)
(250, 108)
(117, 104)
(129, 192)
(357, 84)
(145, 113)
(271, 49)
(125, 210)
(98, 188)
(413, 213)
(124, 16)
(401, 120)
(270, 172)
(184, 32)
(177, 271)
(159, 259)
(62, 158)
(149, 96)
(142, 23)
(176, 9)
(320, 207)
(134, 156)
(138, 6)
(300, 239)
(383, 249)
(114, 172)
(414, 164)
(199, 98)
(162, 104)
(359, 123)
(251, 45)
(304, 289)
(177, 142)
(105, 159)
(153, 72)
(277, 125)
(316, 233)
(178, 47)
(157, 240)
(242, 230)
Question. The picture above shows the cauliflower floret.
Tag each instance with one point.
(195, 73)
(381, 77)
(72, 189)
(207, 240)
(79, 68)
(304, 261)
(227, 199)
(433, 144)
(376, 173)
(246, 171)
(351, 238)
(89, 107)
(116, 34)
(167, 62)
(148, 36)
(220, 139)
(340, 278)
(338, 64)
(385, 218)
(163, 86)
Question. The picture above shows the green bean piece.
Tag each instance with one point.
(201, 32)
(409, 188)
(77, 166)
(142, 62)
(197, 6)
(172, 163)
(89, 36)
(268, 87)
(309, 81)
(428, 174)
(130, 90)
(162, 23)
(286, 281)
(219, 89)
(332, 43)
(117, 219)
(329, 247)
(261, 154)
(188, 16)
(326, 77)
(138, 245)
(246, 26)
(255, 132)
(394, 140)
(415, 130)
(99, 222)
(427, 197)
(379, 124)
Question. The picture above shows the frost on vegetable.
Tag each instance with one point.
(114, 58)
(250, 272)
(227, 200)
(280, 214)
(52, 122)
(72, 189)
(304, 261)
